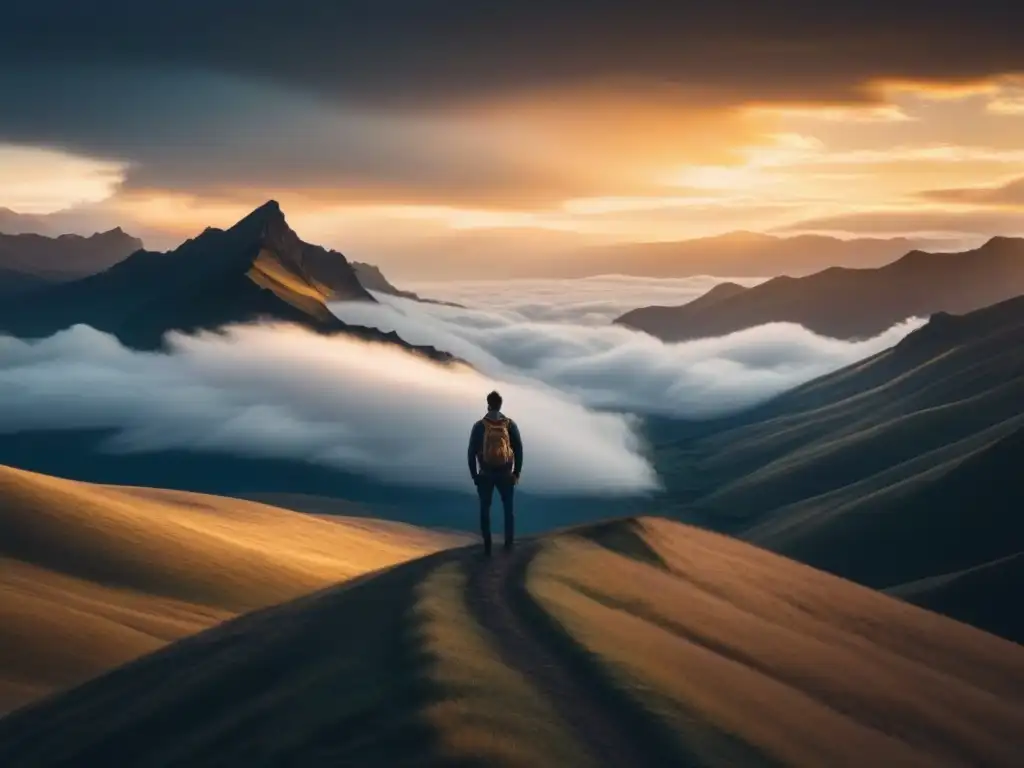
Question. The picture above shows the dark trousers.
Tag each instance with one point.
(505, 485)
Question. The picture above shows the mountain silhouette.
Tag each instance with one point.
(733, 254)
(850, 303)
(259, 269)
(897, 469)
(14, 223)
(29, 261)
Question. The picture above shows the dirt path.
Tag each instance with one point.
(614, 730)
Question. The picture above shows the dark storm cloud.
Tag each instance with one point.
(362, 96)
(194, 131)
(388, 51)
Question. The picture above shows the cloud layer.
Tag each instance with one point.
(286, 393)
(611, 367)
(577, 385)
(586, 301)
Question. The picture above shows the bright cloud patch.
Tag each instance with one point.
(287, 393)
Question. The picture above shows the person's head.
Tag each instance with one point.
(494, 402)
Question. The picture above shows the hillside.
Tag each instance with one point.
(29, 260)
(635, 642)
(900, 468)
(977, 595)
(257, 269)
(851, 303)
(92, 576)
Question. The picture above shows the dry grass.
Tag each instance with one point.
(384, 671)
(92, 576)
(752, 658)
(744, 657)
(489, 712)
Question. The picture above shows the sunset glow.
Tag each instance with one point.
(587, 149)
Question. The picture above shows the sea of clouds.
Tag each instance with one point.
(610, 367)
(587, 301)
(576, 385)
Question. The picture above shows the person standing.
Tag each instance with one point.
(495, 462)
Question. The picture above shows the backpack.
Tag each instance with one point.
(496, 449)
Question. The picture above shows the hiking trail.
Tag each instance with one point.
(613, 729)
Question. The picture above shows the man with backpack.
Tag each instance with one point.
(495, 461)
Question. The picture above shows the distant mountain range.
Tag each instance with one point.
(257, 269)
(502, 253)
(28, 260)
(14, 223)
(902, 472)
(849, 303)
(735, 254)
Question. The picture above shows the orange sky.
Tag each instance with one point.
(600, 166)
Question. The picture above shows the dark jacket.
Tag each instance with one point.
(476, 442)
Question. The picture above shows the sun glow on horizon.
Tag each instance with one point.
(659, 170)
(37, 180)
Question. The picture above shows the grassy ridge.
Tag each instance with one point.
(740, 656)
(92, 576)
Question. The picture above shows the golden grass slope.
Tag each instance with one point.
(737, 656)
(92, 576)
(754, 659)
(387, 670)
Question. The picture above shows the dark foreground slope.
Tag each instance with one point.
(900, 468)
(641, 643)
(258, 269)
(851, 303)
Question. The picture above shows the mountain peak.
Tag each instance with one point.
(265, 224)
(270, 207)
(269, 212)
